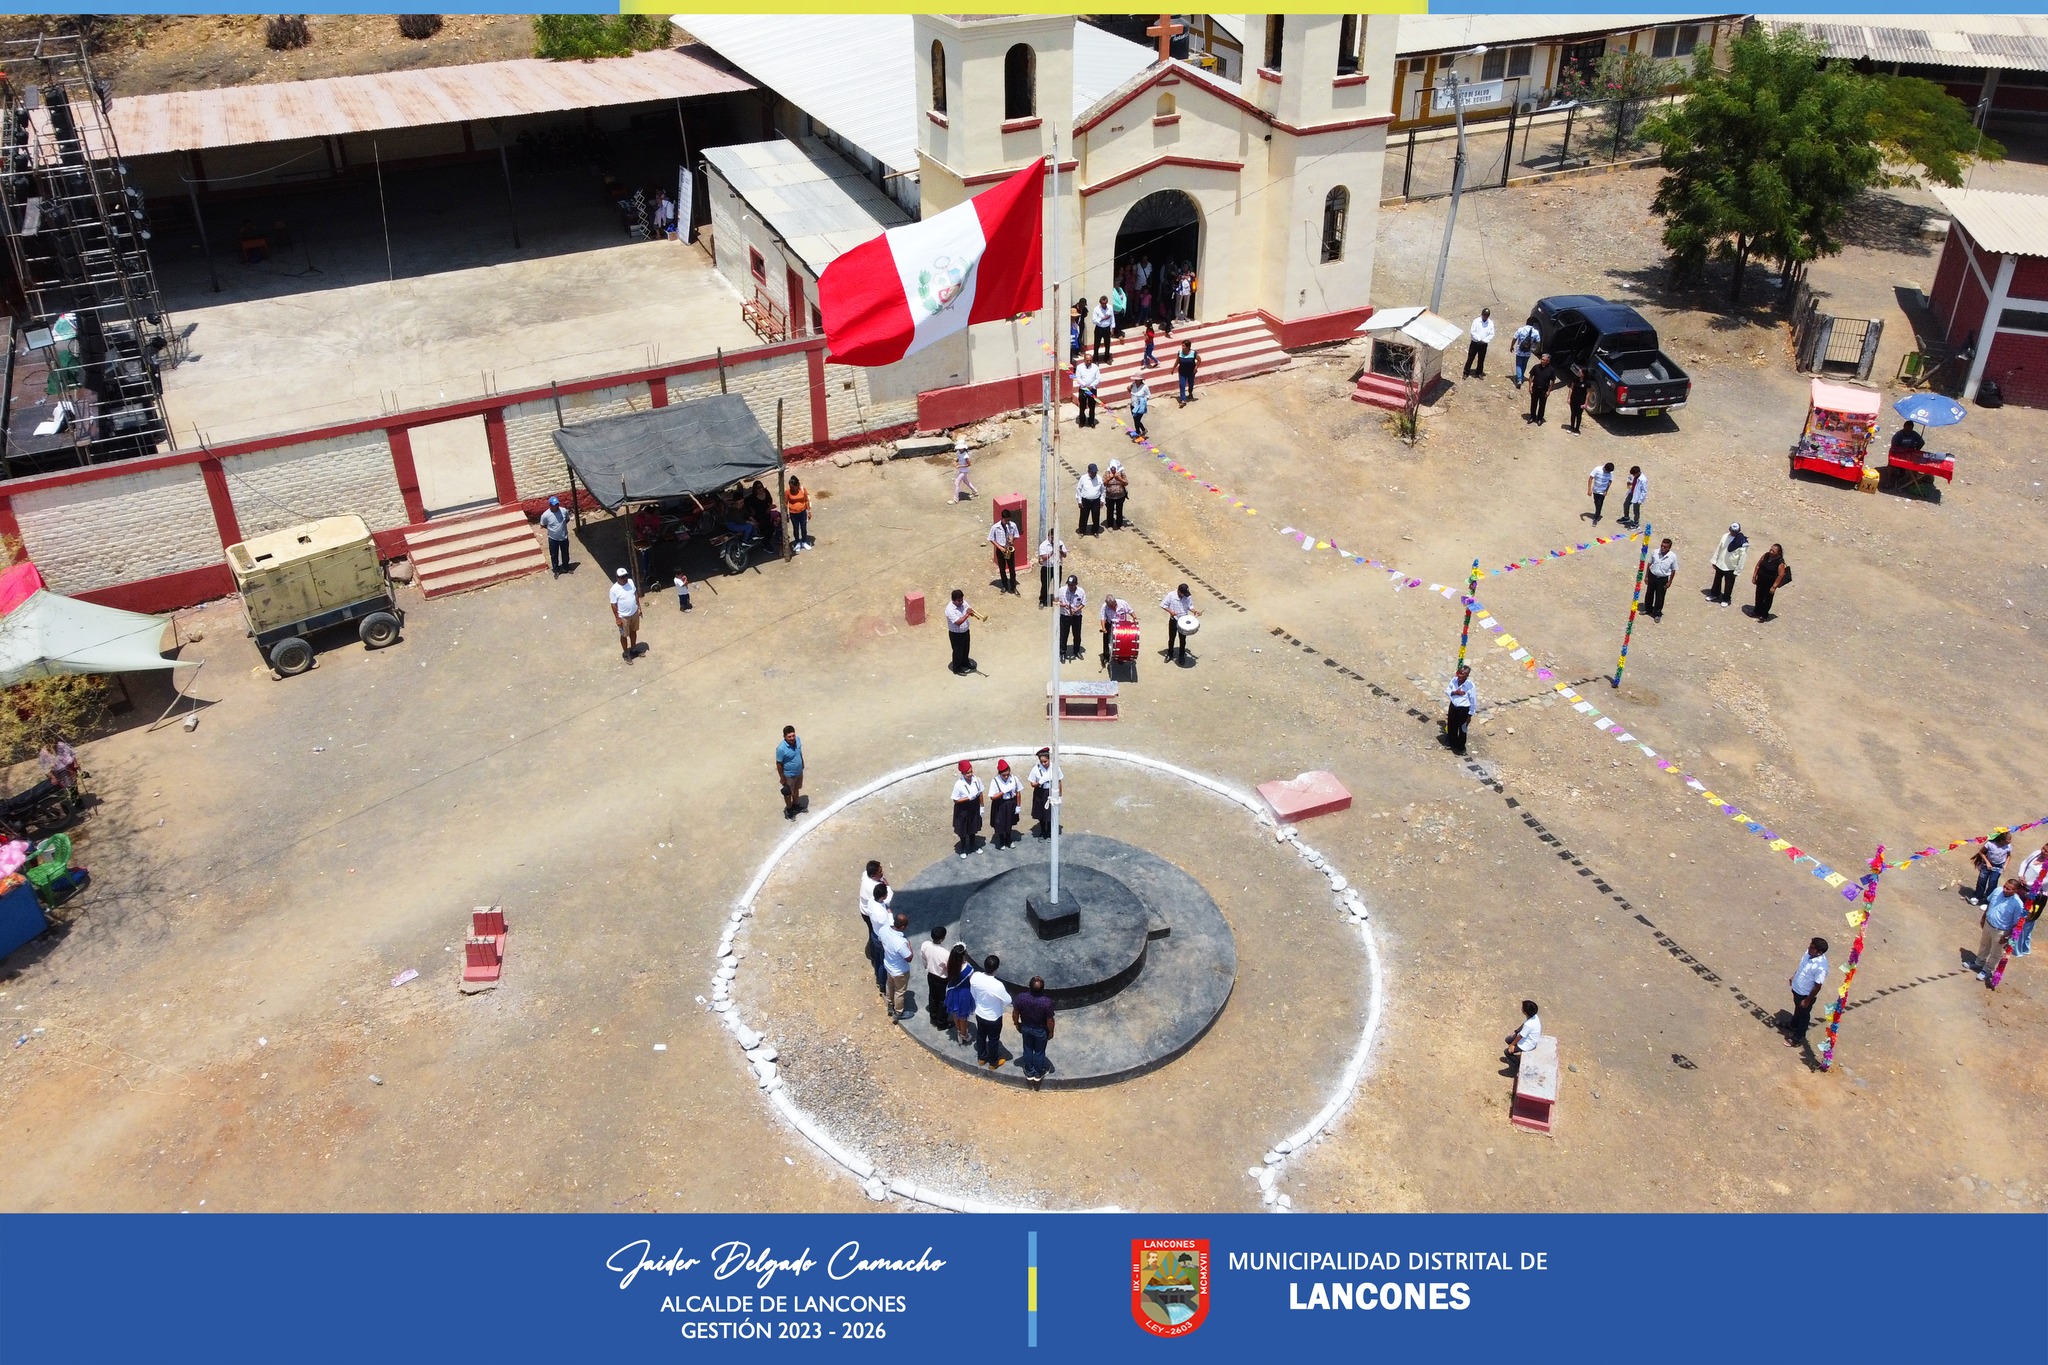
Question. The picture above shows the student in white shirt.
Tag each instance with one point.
(1523, 1040)
(936, 959)
(1105, 328)
(1177, 604)
(967, 792)
(1806, 983)
(1052, 558)
(1599, 479)
(991, 1003)
(1663, 565)
(1046, 786)
(626, 614)
(871, 877)
(1088, 493)
(963, 456)
(1073, 606)
(1464, 701)
(1638, 494)
(1003, 535)
(1003, 791)
(895, 941)
(1475, 349)
(1087, 379)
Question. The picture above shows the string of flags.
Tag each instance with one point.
(1520, 653)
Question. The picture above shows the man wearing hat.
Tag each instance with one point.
(963, 456)
(626, 613)
(1729, 557)
(1045, 783)
(1073, 605)
(555, 522)
(1088, 492)
(1003, 535)
(1002, 804)
(966, 808)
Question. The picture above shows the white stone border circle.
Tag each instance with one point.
(761, 1055)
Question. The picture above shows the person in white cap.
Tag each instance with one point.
(555, 521)
(963, 456)
(626, 613)
(1116, 485)
(1729, 557)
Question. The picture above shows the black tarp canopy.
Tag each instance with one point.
(695, 447)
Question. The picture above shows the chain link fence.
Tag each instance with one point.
(1419, 162)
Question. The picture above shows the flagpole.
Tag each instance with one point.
(1049, 514)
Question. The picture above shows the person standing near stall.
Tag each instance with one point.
(799, 515)
(967, 797)
(1043, 782)
(1003, 792)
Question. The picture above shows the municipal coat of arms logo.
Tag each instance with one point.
(939, 284)
(1169, 1284)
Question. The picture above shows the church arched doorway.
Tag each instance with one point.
(1160, 238)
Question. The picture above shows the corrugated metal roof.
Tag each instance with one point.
(1424, 33)
(2015, 42)
(1999, 220)
(811, 197)
(189, 120)
(854, 73)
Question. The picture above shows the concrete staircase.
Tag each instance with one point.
(475, 551)
(1231, 349)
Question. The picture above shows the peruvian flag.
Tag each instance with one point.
(976, 262)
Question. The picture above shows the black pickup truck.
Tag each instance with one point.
(1617, 348)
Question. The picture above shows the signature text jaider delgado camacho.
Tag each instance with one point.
(728, 1259)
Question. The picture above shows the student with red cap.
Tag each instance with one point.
(967, 792)
(1002, 804)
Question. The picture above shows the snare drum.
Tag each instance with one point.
(1125, 641)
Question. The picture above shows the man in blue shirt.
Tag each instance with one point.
(896, 964)
(2008, 905)
(789, 770)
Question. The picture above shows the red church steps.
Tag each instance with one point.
(1234, 348)
(473, 552)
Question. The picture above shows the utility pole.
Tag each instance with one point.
(1443, 260)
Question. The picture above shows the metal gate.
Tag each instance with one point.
(1825, 344)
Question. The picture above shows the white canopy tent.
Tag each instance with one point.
(48, 635)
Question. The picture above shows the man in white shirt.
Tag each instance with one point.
(1663, 564)
(871, 876)
(1003, 536)
(1073, 606)
(1087, 379)
(626, 614)
(991, 1003)
(1524, 342)
(1177, 604)
(1806, 983)
(1088, 493)
(1523, 1040)
(1052, 561)
(1464, 701)
(1598, 480)
(936, 956)
(896, 962)
(963, 458)
(958, 614)
(1046, 785)
(1105, 328)
(1475, 349)
(555, 521)
(1638, 494)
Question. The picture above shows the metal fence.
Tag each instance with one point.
(1825, 344)
(1419, 163)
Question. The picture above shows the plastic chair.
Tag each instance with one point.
(51, 860)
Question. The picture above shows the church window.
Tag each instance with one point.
(1164, 109)
(1347, 46)
(1020, 82)
(1275, 24)
(1336, 207)
(938, 77)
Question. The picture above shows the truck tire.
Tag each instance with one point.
(378, 629)
(291, 656)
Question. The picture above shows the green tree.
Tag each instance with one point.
(579, 37)
(1763, 160)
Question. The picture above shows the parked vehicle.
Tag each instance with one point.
(1617, 348)
(297, 582)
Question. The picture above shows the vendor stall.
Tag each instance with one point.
(1839, 424)
(1908, 453)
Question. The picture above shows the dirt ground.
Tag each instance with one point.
(151, 54)
(214, 1012)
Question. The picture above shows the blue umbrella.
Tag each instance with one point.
(1929, 409)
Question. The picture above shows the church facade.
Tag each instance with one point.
(1267, 190)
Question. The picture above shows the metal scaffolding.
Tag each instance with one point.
(78, 240)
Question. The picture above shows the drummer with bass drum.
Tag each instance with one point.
(1182, 620)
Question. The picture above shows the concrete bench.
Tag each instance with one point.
(1536, 1087)
(1084, 699)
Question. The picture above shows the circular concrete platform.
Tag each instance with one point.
(1143, 976)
